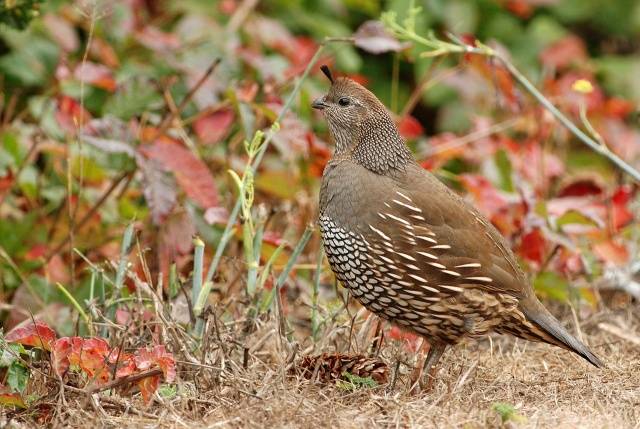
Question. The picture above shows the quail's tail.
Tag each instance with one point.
(548, 329)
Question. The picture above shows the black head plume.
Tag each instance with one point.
(327, 72)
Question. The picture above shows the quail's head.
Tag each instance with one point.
(347, 107)
(361, 126)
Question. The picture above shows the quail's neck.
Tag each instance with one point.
(380, 148)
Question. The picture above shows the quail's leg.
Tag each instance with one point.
(435, 353)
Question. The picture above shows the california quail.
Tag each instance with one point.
(411, 250)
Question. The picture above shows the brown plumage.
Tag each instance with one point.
(408, 248)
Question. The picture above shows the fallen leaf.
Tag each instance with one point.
(8, 398)
(38, 335)
(147, 358)
(148, 387)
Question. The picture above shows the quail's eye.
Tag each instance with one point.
(344, 101)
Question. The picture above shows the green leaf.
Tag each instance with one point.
(355, 382)
(507, 412)
(28, 182)
(551, 285)
(167, 391)
(574, 217)
(17, 376)
(135, 98)
(504, 169)
(9, 353)
(32, 64)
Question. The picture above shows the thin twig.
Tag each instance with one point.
(166, 122)
(124, 380)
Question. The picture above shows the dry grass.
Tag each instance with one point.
(548, 386)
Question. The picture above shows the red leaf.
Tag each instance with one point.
(611, 252)
(410, 340)
(38, 335)
(148, 386)
(126, 363)
(618, 108)
(409, 127)
(60, 355)
(488, 199)
(36, 252)
(533, 246)
(146, 358)
(91, 356)
(174, 240)
(69, 114)
(580, 188)
(620, 213)
(8, 398)
(190, 172)
(519, 7)
(95, 74)
(213, 127)
(564, 52)
(302, 50)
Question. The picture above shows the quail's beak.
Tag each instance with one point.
(319, 103)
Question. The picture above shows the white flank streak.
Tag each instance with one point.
(430, 289)
(387, 204)
(429, 239)
(380, 233)
(399, 219)
(413, 267)
(417, 217)
(387, 260)
(480, 279)
(437, 265)
(428, 255)
(453, 273)
(404, 196)
(440, 246)
(470, 265)
(404, 255)
(452, 288)
(410, 207)
(382, 216)
(395, 276)
(420, 279)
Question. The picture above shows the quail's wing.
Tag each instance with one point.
(430, 239)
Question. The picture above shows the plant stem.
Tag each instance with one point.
(233, 216)
(314, 296)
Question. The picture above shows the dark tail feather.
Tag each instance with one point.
(556, 334)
